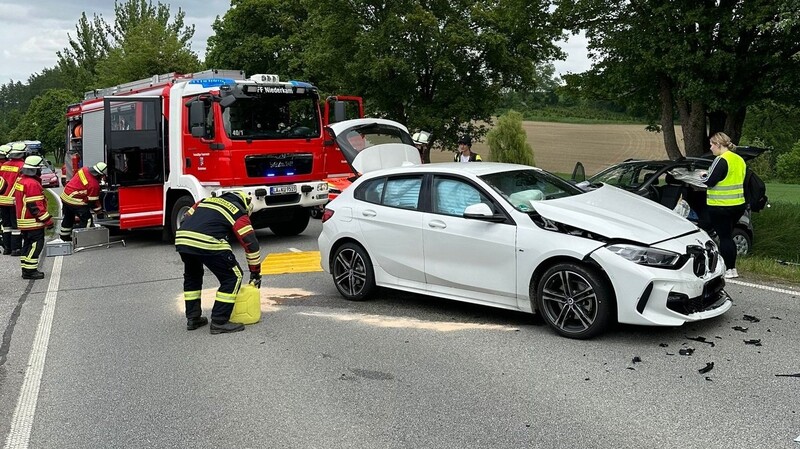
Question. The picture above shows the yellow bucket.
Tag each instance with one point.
(247, 308)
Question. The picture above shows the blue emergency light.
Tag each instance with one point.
(212, 82)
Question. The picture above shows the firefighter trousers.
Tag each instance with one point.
(224, 266)
(32, 245)
(69, 212)
(12, 239)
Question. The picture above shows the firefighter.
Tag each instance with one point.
(203, 239)
(32, 216)
(80, 194)
(10, 171)
(3, 151)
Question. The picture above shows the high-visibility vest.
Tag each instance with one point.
(730, 190)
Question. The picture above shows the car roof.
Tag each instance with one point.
(471, 168)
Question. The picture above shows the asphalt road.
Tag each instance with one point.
(118, 369)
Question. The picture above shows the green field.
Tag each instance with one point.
(783, 193)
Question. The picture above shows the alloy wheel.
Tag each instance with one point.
(569, 301)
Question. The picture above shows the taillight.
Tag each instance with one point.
(326, 214)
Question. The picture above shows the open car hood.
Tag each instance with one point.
(617, 214)
(370, 144)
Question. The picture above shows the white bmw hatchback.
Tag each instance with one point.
(515, 237)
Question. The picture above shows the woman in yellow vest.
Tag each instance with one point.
(725, 197)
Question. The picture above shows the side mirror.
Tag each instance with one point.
(227, 101)
(578, 173)
(339, 111)
(482, 211)
(197, 118)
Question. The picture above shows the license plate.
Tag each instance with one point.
(281, 190)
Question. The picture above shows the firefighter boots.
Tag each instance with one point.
(194, 323)
(225, 328)
(32, 274)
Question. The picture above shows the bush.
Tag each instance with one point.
(777, 232)
(788, 165)
(508, 141)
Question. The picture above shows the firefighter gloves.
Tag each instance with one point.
(255, 279)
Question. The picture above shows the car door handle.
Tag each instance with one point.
(437, 224)
(369, 213)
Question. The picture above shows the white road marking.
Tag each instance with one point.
(295, 250)
(22, 421)
(785, 291)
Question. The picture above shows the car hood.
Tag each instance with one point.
(617, 214)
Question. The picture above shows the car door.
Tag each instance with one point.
(467, 257)
(391, 226)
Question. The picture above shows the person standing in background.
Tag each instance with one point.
(10, 171)
(465, 153)
(725, 197)
(421, 141)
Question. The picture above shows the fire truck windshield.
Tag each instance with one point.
(269, 117)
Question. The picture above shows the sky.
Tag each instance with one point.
(32, 31)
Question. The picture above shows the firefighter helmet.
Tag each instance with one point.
(98, 169)
(421, 138)
(17, 151)
(32, 166)
(4, 150)
(247, 200)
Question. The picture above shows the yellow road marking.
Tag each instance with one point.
(281, 263)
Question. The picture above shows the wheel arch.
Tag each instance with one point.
(586, 262)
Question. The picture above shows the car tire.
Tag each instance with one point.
(351, 268)
(574, 300)
(179, 209)
(742, 240)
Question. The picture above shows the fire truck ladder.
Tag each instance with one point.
(162, 80)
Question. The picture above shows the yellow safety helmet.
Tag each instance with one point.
(247, 199)
(33, 162)
(99, 169)
(17, 150)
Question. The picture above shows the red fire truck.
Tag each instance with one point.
(173, 139)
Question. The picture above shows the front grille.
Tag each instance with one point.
(704, 258)
(281, 164)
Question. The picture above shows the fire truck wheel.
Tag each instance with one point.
(296, 225)
(183, 204)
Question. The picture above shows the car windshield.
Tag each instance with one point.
(522, 188)
(629, 175)
(267, 117)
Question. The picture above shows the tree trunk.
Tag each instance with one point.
(733, 124)
(667, 122)
(693, 124)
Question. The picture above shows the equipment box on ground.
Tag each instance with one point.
(89, 236)
(58, 247)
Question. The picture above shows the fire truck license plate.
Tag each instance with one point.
(280, 190)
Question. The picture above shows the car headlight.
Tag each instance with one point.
(643, 255)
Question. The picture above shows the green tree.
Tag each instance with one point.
(44, 121)
(508, 141)
(440, 66)
(788, 165)
(79, 61)
(145, 42)
(259, 36)
(703, 61)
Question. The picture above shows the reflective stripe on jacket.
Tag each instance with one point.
(82, 189)
(9, 172)
(209, 225)
(730, 190)
(31, 204)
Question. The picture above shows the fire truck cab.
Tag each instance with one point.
(174, 139)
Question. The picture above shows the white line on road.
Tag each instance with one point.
(785, 291)
(22, 422)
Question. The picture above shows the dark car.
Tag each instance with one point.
(667, 181)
